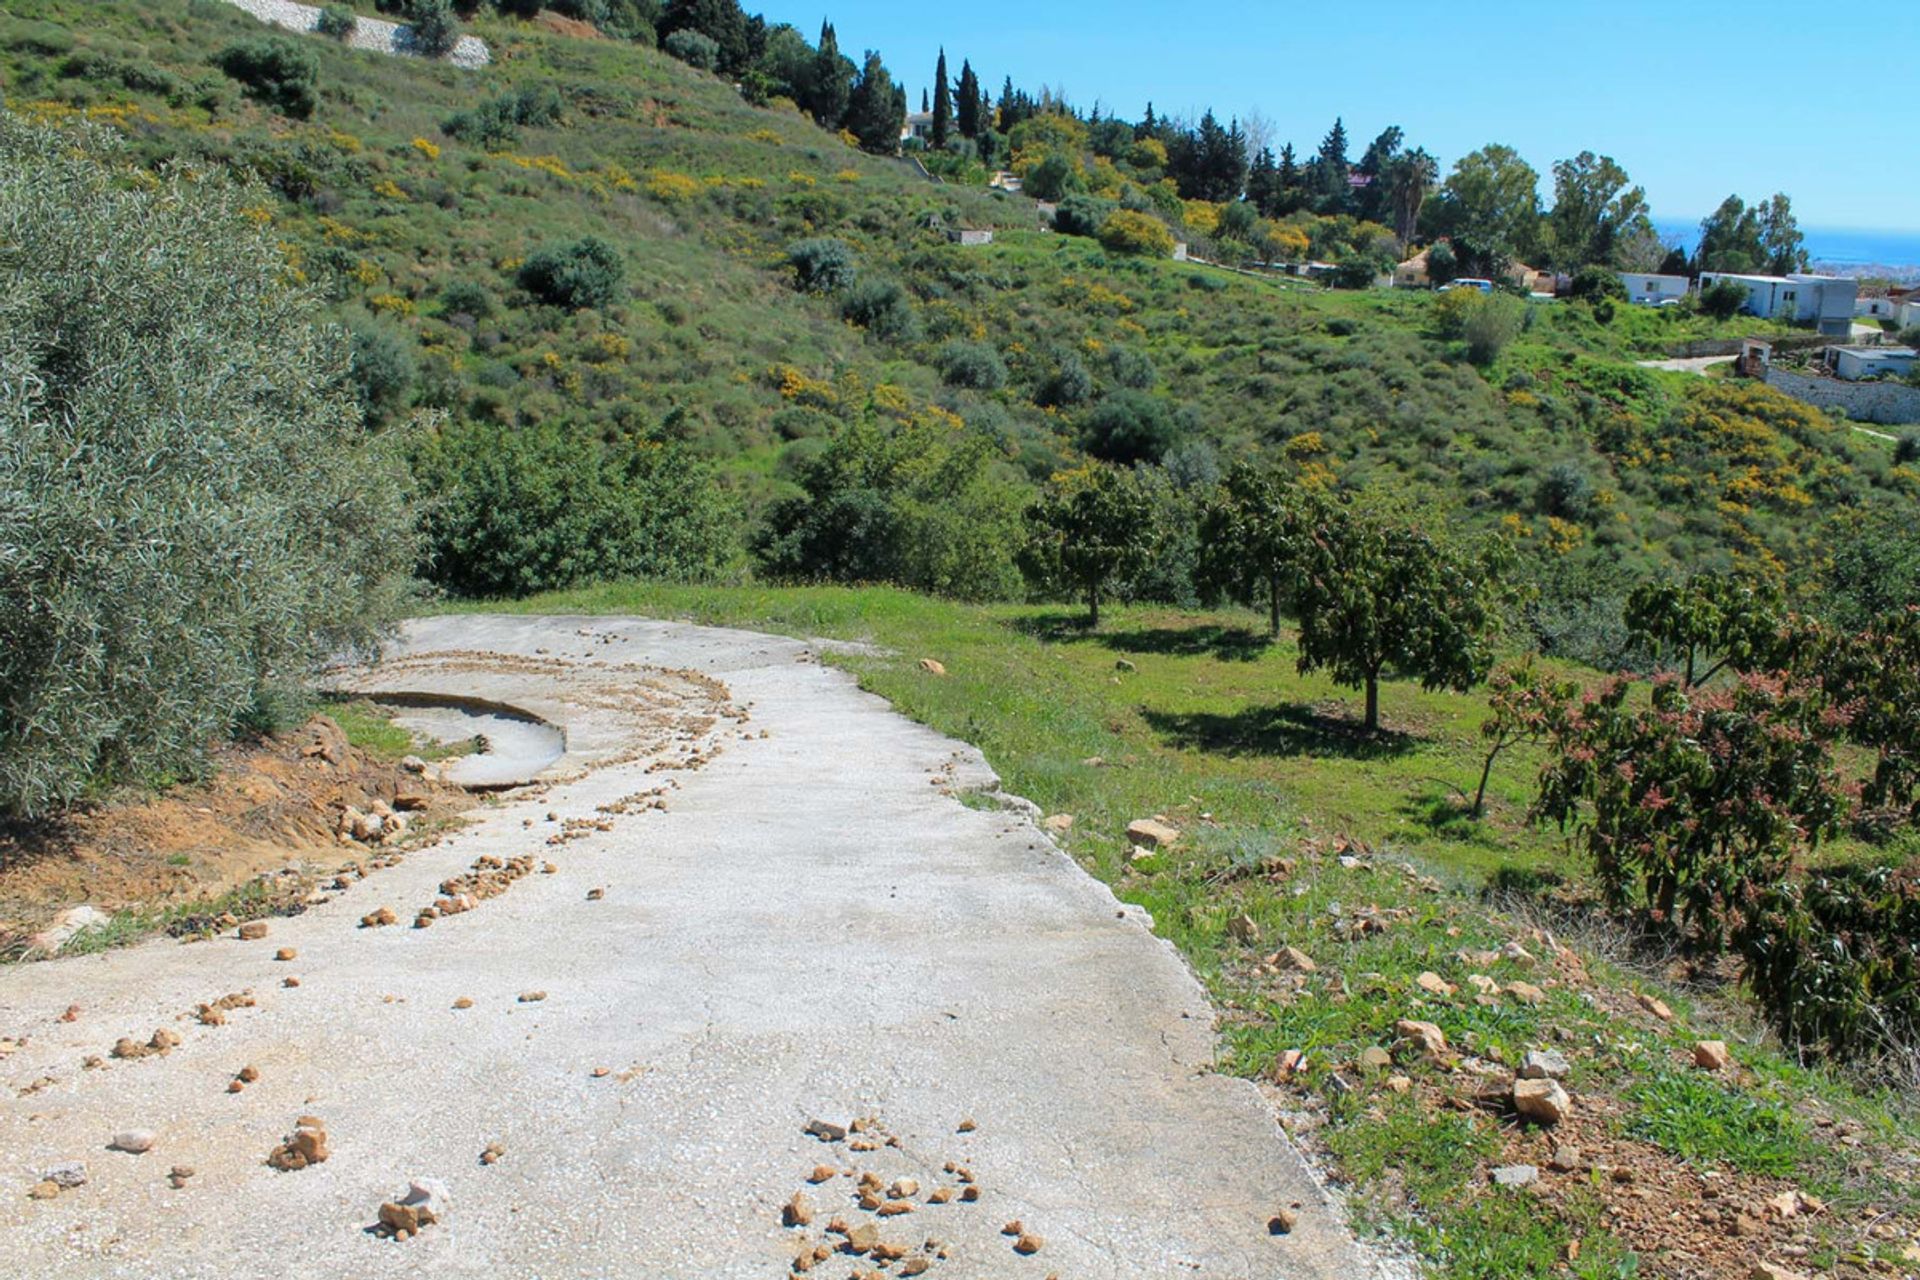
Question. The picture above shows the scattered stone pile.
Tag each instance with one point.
(424, 1204)
(488, 877)
(306, 1145)
(877, 1204)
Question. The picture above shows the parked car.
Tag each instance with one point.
(1468, 282)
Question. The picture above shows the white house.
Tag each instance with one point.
(1854, 363)
(1650, 290)
(917, 125)
(1825, 302)
(1874, 308)
(1907, 314)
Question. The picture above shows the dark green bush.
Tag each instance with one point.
(1129, 427)
(464, 297)
(383, 368)
(1591, 284)
(337, 20)
(693, 48)
(1081, 215)
(1724, 299)
(1906, 450)
(433, 27)
(1132, 368)
(191, 512)
(276, 72)
(883, 308)
(1835, 958)
(971, 364)
(1566, 490)
(1070, 385)
(586, 273)
(516, 510)
(821, 265)
(495, 124)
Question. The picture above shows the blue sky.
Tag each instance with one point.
(1696, 99)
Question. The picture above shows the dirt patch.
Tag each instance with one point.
(266, 804)
(559, 25)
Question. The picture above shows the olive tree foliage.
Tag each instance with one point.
(193, 512)
(1089, 527)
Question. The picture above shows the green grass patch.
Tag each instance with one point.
(1690, 1115)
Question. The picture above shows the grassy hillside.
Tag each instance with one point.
(1594, 467)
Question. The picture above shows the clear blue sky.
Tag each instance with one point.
(1696, 98)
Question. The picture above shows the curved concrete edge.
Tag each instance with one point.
(509, 769)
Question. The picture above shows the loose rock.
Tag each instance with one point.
(1434, 985)
(1151, 834)
(1516, 1175)
(133, 1141)
(1423, 1037)
(1029, 1243)
(253, 930)
(1544, 1064)
(798, 1211)
(1541, 1100)
(1658, 1008)
(1712, 1055)
(1281, 1223)
(932, 667)
(307, 1145)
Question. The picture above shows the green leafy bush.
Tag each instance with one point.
(338, 21)
(821, 265)
(434, 29)
(191, 512)
(971, 364)
(516, 510)
(916, 504)
(586, 273)
(1834, 960)
(693, 48)
(495, 124)
(276, 72)
(1724, 299)
(1490, 326)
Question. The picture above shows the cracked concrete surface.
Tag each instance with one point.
(810, 930)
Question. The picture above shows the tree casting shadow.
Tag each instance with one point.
(1226, 644)
(1288, 729)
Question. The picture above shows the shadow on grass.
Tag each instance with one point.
(1225, 644)
(1288, 729)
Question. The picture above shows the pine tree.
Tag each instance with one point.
(832, 84)
(1148, 125)
(1288, 180)
(1008, 107)
(942, 104)
(1331, 168)
(923, 101)
(1263, 183)
(967, 109)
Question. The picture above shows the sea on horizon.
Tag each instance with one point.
(1840, 246)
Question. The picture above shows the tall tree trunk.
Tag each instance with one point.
(1273, 607)
(1093, 603)
(1373, 703)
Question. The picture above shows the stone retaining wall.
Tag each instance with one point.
(373, 34)
(1887, 403)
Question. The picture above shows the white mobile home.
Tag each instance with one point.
(1873, 308)
(1648, 289)
(1825, 302)
(1855, 363)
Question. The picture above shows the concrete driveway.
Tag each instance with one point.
(814, 928)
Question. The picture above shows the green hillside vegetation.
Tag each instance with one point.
(777, 423)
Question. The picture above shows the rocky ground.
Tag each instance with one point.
(747, 992)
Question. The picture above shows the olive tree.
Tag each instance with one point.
(193, 511)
